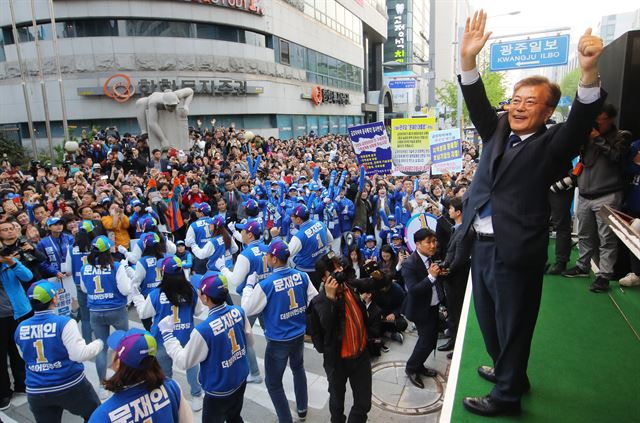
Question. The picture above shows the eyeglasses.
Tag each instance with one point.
(528, 103)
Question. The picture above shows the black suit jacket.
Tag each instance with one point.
(518, 180)
(419, 288)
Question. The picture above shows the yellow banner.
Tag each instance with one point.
(410, 145)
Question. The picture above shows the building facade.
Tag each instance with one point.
(281, 68)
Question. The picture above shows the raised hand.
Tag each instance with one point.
(473, 40)
(590, 48)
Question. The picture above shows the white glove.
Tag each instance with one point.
(232, 226)
(252, 279)
(327, 200)
(149, 209)
(135, 290)
(166, 325)
(122, 250)
(220, 263)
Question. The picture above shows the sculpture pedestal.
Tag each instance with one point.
(175, 128)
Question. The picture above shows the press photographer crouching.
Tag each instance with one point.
(344, 324)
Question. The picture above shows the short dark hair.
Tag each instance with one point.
(610, 110)
(552, 87)
(155, 150)
(456, 203)
(422, 234)
(38, 306)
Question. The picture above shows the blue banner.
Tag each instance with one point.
(531, 53)
(372, 147)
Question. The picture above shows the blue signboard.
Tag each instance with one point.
(531, 53)
(372, 147)
(402, 83)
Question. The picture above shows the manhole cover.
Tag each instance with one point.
(392, 391)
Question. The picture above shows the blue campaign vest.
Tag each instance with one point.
(78, 260)
(369, 253)
(284, 314)
(313, 238)
(219, 251)
(47, 362)
(102, 288)
(136, 404)
(226, 367)
(182, 316)
(202, 230)
(56, 251)
(256, 253)
(153, 274)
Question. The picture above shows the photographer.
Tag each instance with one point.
(19, 247)
(14, 306)
(344, 324)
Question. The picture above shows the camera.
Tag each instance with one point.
(371, 267)
(442, 264)
(340, 277)
(6, 251)
(563, 184)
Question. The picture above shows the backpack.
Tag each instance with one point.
(314, 328)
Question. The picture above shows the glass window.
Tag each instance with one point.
(340, 14)
(3, 57)
(312, 61)
(342, 70)
(227, 33)
(333, 67)
(320, 6)
(284, 52)
(206, 31)
(323, 66)
(331, 8)
(255, 39)
(151, 28)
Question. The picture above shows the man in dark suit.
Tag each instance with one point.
(233, 197)
(457, 263)
(509, 210)
(423, 297)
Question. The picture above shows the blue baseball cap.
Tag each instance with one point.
(396, 235)
(172, 265)
(280, 250)
(250, 205)
(370, 238)
(214, 287)
(43, 291)
(252, 226)
(150, 239)
(204, 208)
(87, 226)
(356, 228)
(133, 346)
(391, 217)
(147, 224)
(54, 221)
(301, 211)
(102, 244)
(135, 202)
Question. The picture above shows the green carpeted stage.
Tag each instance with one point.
(585, 358)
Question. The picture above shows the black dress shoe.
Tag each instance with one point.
(487, 406)
(427, 371)
(415, 379)
(448, 346)
(487, 373)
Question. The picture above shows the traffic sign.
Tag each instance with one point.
(402, 83)
(530, 53)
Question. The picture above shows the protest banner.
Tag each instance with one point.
(410, 145)
(372, 147)
(446, 151)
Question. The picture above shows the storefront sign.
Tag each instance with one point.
(121, 88)
(372, 147)
(249, 6)
(410, 145)
(321, 95)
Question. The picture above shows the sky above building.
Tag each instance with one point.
(538, 15)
